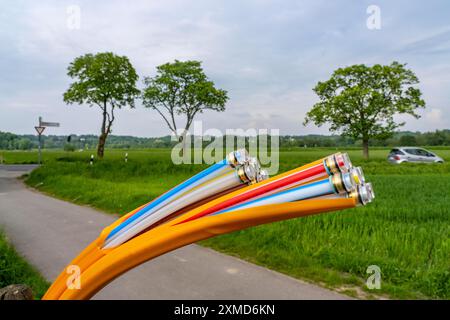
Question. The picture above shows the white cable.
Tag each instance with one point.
(218, 185)
(222, 171)
(184, 191)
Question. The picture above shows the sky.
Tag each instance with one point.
(268, 55)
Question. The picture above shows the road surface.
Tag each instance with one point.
(49, 232)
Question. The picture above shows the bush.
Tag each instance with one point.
(69, 147)
(408, 140)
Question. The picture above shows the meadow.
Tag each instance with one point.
(405, 231)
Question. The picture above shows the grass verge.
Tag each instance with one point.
(15, 270)
(405, 231)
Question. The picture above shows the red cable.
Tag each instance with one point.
(340, 160)
(295, 177)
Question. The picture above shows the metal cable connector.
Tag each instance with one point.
(338, 163)
(262, 175)
(358, 175)
(238, 157)
(364, 193)
(247, 173)
(343, 183)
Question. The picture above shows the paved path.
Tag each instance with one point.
(50, 232)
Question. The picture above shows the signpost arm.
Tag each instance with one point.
(39, 130)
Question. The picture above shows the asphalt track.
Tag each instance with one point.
(49, 232)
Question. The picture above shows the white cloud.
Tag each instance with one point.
(267, 54)
(434, 117)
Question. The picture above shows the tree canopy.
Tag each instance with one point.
(105, 80)
(361, 101)
(182, 88)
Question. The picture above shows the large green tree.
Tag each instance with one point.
(182, 88)
(105, 80)
(361, 101)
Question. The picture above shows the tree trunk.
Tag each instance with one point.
(182, 140)
(366, 149)
(101, 145)
(103, 135)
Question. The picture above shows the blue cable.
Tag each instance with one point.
(272, 195)
(168, 195)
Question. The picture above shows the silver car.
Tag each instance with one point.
(413, 154)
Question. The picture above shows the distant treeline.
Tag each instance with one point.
(10, 141)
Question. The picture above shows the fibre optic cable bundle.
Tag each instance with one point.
(233, 194)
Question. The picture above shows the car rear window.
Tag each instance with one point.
(396, 152)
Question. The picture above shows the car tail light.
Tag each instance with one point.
(397, 157)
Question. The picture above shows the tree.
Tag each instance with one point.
(182, 88)
(24, 144)
(361, 101)
(105, 80)
(408, 140)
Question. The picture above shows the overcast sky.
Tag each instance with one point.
(268, 55)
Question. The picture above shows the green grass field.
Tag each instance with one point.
(405, 231)
(15, 270)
